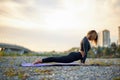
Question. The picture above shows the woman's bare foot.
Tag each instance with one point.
(37, 61)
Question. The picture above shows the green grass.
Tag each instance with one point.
(32, 54)
(49, 54)
(9, 54)
(117, 78)
(99, 63)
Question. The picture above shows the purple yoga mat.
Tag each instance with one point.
(49, 64)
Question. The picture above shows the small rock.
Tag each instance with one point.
(26, 75)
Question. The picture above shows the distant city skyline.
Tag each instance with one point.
(46, 25)
(104, 39)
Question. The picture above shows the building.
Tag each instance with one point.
(104, 38)
(119, 35)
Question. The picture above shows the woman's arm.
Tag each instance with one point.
(85, 50)
(82, 53)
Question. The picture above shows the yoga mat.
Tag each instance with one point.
(49, 64)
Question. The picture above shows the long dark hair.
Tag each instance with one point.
(92, 33)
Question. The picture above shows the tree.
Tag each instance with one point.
(99, 51)
(118, 50)
(113, 48)
(91, 54)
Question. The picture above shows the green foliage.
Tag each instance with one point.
(91, 54)
(32, 54)
(106, 51)
(113, 48)
(95, 52)
(2, 53)
(118, 49)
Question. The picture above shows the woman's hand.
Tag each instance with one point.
(82, 64)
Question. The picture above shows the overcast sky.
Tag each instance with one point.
(45, 25)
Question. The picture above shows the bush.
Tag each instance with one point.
(2, 53)
(32, 54)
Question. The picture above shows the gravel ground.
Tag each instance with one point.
(10, 69)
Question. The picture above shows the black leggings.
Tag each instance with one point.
(73, 56)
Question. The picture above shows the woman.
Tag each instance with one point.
(74, 56)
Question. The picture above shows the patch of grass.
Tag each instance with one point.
(45, 78)
(50, 54)
(39, 71)
(117, 78)
(10, 72)
(2, 53)
(9, 54)
(100, 63)
(31, 54)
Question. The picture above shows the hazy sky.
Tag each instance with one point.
(45, 25)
